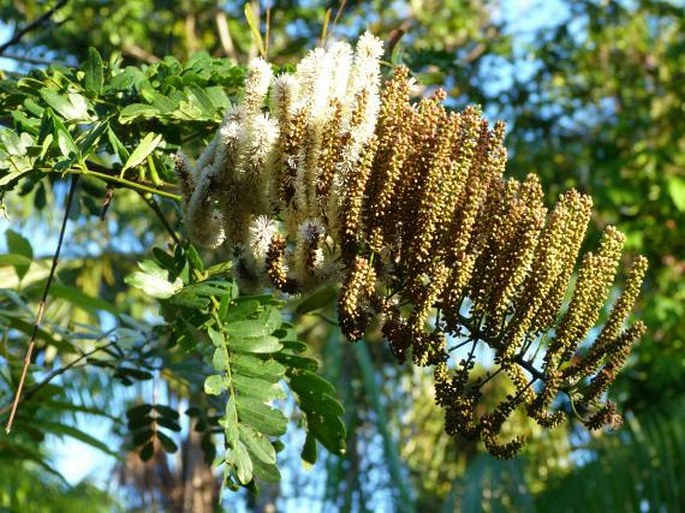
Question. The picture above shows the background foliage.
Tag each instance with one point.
(593, 100)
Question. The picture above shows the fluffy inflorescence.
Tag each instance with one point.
(405, 205)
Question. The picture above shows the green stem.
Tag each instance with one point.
(123, 181)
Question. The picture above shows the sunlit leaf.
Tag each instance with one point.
(19, 245)
(214, 385)
(145, 148)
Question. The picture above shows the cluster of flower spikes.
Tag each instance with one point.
(404, 203)
(270, 186)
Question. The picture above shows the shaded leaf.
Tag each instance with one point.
(169, 424)
(147, 451)
(137, 110)
(139, 411)
(19, 245)
(242, 463)
(165, 411)
(93, 80)
(167, 443)
(309, 449)
(318, 299)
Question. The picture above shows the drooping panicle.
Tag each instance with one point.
(404, 204)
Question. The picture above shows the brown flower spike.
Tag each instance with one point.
(406, 206)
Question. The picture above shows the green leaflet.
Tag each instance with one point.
(145, 423)
(262, 417)
(251, 352)
(252, 386)
(93, 80)
(20, 246)
(247, 365)
(154, 280)
(258, 389)
(265, 344)
(258, 444)
(214, 385)
(322, 411)
(145, 148)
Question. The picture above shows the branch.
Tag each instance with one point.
(338, 13)
(105, 174)
(267, 32)
(225, 35)
(475, 332)
(396, 34)
(32, 60)
(41, 305)
(57, 372)
(150, 200)
(474, 54)
(32, 26)
(191, 35)
(526, 365)
(139, 53)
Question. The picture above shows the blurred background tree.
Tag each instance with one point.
(593, 99)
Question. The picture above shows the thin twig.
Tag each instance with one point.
(41, 305)
(338, 14)
(396, 34)
(150, 200)
(459, 345)
(530, 368)
(104, 174)
(32, 60)
(57, 372)
(490, 376)
(107, 201)
(139, 53)
(225, 35)
(32, 26)
(267, 32)
(191, 37)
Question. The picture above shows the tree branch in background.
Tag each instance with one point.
(267, 32)
(33, 60)
(225, 35)
(41, 305)
(58, 372)
(192, 43)
(150, 200)
(397, 34)
(32, 26)
(338, 13)
(135, 51)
